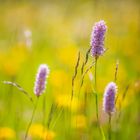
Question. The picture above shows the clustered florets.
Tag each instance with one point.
(109, 98)
(97, 39)
(40, 82)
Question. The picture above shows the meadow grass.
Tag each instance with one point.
(57, 33)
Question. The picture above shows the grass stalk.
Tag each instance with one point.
(33, 113)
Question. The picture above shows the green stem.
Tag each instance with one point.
(96, 98)
(44, 112)
(96, 95)
(26, 134)
(109, 128)
(95, 74)
(96, 101)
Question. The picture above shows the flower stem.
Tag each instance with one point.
(96, 95)
(109, 128)
(44, 112)
(95, 74)
(26, 134)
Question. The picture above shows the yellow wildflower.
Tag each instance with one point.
(12, 60)
(7, 133)
(79, 121)
(64, 100)
(38, 131)
(59, 78)
(68, 55)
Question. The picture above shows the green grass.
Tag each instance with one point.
(59, 30)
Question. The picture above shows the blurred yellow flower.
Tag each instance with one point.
(7, 133)
(137, 86)
(12, 60)
(68, 55)
(64, 100)
(38, 131)
(59, 78)
(79, 121)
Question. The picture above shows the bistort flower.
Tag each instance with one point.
(97, 39)
(40, 82)
(109, 98)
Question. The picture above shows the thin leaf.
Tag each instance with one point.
(19, 88)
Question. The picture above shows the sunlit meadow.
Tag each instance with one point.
(75, 98)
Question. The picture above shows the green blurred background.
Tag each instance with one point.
(53, 32)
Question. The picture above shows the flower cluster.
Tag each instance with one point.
(40, 83)
(97, 39)
(109, 98)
